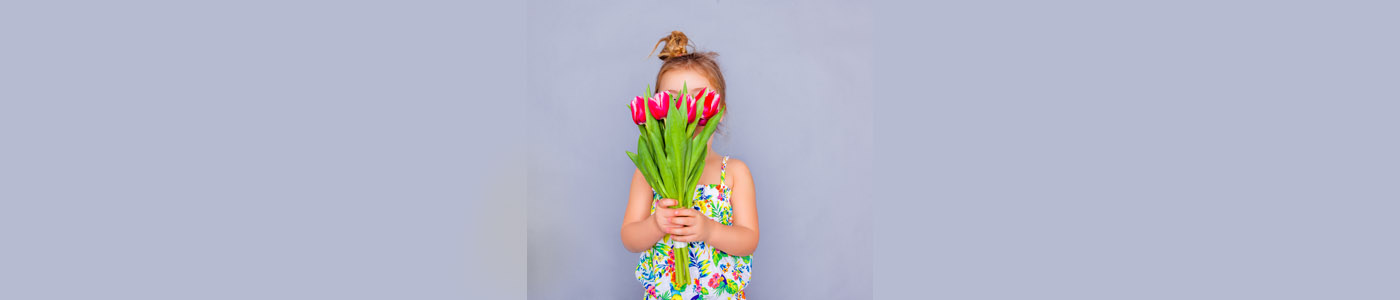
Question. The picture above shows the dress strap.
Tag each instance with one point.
(722, 164)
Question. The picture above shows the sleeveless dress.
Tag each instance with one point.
(714, 274)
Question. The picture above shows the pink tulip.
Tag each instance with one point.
(659, 103)
(690, 108)
(639, 114)
(709, 100)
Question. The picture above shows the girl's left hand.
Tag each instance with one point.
(694, 226)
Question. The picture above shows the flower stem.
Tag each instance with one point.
(682, 258)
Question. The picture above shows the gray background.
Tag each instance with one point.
(260, 150)
(1138, 150)
(1078, 150)
(800, 85)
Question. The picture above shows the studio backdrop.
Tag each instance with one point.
(800, 115)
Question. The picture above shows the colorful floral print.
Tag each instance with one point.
(716, 275)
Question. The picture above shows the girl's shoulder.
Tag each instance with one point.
(737, 167)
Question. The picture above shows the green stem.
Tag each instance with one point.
(682, 275)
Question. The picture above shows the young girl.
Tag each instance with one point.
(721, 227)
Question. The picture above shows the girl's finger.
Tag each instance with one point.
(678, 231)
(681, 220)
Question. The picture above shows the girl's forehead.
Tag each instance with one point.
(692, 86)
(674, 79)
(692, 89)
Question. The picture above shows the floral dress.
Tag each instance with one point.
(714, 274)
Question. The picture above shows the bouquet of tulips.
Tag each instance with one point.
(670, 155)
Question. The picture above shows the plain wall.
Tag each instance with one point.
(260, 150)
(800, 107)
(1138, 150)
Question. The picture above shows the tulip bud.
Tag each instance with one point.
(709, 100)
(638, 110)
(659, 103)
(690, 108)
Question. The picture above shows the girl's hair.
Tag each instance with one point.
(675, 55)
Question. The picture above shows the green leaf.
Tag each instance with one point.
(651, 132)
(674, 157)
(645, 164)
(637, 160)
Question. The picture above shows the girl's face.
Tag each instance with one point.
(673, 80)
(693, 81)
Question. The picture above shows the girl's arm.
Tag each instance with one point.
(640, 228)
(739, 239)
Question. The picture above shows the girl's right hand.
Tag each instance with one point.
(664, 214)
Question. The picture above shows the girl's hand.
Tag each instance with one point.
(664, 214)
(694, 227)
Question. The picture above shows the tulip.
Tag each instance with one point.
(690, 108)
(639, 114)
(709, 100)
(659, 103)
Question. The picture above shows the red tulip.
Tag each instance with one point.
(709, 100)
(639, 114)
(690, 108)
(659, 103)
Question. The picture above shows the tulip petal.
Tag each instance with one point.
(659, 103)
(638, 110)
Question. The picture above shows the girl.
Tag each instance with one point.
(721, 227)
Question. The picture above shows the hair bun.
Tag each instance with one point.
(675, 45)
